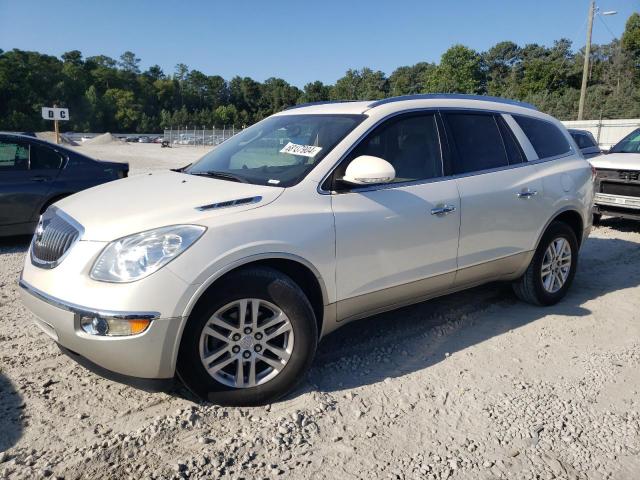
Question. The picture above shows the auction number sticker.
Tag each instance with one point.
(304, 150)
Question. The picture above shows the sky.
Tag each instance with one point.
(300, 41)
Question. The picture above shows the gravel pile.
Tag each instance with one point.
(472, 386)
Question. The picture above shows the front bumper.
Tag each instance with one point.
(617, 205)
(148, 355)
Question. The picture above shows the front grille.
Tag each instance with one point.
(54, 236)
(628, 175)
(625, 189)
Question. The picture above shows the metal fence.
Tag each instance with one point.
(192, 136)
(606, 132)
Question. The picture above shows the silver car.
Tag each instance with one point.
(227, 273)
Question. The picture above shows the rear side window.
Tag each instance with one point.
(582, 140)
(13, 156)
(476, 141)
(44, 158)
(547, 140)
(511, 145)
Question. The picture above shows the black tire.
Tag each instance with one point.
(596, 218)
(529, 287)
(262, 283)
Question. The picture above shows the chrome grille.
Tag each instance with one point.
(629, 176)
(55, 234)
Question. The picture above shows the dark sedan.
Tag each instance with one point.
(34, 174)
(586, 142)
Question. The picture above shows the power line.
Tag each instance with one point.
(607, 27)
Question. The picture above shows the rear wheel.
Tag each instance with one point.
(551, 271)
(251, 342)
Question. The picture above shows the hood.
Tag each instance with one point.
(142, 202)
(617, 161)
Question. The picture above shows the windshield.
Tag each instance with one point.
(629, 144)
(278, 151)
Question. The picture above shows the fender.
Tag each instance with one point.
(329, 315)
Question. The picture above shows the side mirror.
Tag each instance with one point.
(369, 170)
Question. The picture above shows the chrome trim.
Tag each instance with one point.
(443, 210)
(69, 219)
(609, 199)
(230, 203)
(85, 311)
(527, 194)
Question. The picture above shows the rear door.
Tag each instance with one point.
(27, 173)
(499, 195)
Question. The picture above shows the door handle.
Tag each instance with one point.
(443, 210)
(526, 194)
(39, 178)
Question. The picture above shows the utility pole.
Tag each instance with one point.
(585, 68)
(56, 128)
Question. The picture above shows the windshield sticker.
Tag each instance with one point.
(304, 150)
(273, 181)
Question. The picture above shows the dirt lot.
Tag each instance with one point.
(474, 385)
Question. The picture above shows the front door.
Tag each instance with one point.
(396, 243)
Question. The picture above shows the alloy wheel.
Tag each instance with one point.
(556, 265)
(246, 343)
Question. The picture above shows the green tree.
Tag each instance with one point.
(315, 92)
(459, 71)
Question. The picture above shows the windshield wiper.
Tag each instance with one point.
(222, 175)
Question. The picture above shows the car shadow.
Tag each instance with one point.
(11, 408)
(620, 224)
(423, 329)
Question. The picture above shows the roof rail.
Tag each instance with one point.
(461, 96)
(326, 102)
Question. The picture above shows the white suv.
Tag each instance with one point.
(226, 273)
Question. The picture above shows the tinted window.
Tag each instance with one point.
(547, 140)
(582, 140)
(44, 158)
(476, 142)
(411, 144)
(13, 156)
(511, 145)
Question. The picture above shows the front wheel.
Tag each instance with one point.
(551, 271)
(250, 342)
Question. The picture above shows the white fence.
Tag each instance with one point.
(202, 137)
(606, 132)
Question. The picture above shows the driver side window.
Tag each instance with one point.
(409, 143)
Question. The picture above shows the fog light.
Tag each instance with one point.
(113, 327)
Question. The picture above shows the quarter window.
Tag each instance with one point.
(13, 156)
(547, 140)
(409, 143)
(476, 142)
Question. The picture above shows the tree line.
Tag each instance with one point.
(105, 94)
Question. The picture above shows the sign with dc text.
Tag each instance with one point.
(49, 113)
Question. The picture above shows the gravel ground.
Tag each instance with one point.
(475, 385)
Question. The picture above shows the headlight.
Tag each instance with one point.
(136, 256)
